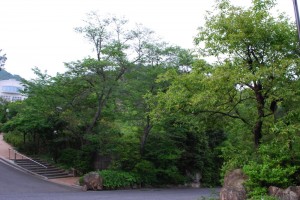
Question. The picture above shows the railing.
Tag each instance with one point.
(15, 155)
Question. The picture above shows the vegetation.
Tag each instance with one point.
(148, 113)
(3, 59)
(4, 75)
(118, 179)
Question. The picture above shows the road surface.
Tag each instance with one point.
(18, 185)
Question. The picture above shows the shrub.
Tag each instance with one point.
(146, 171)
(78, 159)
(273, 167)
(68, 157)
(14, 138)
(170, 175)
(113, 179)
(80, 180)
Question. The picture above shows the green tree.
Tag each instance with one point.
(141, 82)
(256, 52)
(196, 136)
(3, 59)
(251, 86)
(117, 48)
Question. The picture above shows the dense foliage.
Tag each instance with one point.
(118, 179)
(148, 113)
(97, 115)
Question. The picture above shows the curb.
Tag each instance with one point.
(65, 184)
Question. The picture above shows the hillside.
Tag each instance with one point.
(4, 75)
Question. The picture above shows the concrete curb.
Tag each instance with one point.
(65, 184)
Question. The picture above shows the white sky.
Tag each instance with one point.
(40, 33)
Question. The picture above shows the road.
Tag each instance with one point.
(18, 185)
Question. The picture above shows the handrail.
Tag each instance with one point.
(23, 156)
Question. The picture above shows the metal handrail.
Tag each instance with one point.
(23, 156)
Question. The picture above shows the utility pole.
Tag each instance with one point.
(296, 10)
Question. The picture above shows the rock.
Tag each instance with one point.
(84, 188)
(291, 193)
(195, 177)
(275, 191)
(295, 189)
(92, 181)
(233, 188)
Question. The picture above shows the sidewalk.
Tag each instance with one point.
(4, 147)
(4, 153)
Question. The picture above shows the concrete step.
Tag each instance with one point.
(59, 176)
(49, 172)
(34, 167)
(30, 161)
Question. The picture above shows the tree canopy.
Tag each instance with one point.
(166, 114)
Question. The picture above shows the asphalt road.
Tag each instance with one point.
(18, 185)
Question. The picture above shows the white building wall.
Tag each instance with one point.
(10, 90)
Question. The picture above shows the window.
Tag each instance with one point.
(16, 98)
(11, 89)
(6, 98)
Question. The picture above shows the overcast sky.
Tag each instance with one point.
(40, 33)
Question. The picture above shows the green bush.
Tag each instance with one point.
(80, 180)
(14, 138)
(78, 159)
(146, 171)
(113, 179)
(274, 167)
(68, 157)
(170, 175)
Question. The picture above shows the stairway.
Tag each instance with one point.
(42, 168)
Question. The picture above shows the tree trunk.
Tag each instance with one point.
(146, 132)
(260, 104)
(24, 138)
(257, 133)
(96, 117)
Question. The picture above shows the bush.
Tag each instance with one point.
(274, 167)
(170, 175)
(146, 171)
(68, 157)
(78, 159)
(113, 179)
(81, 181)
(14, 138)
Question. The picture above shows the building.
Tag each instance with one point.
(10, 90)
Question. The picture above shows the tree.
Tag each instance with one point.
(256, 52)
(250, 92)
(2, 60)
(157, 59)
(116, 53)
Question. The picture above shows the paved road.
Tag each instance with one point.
(17, 185)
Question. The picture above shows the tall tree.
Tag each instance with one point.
(116, 52)
(158, 57)
(256, 52)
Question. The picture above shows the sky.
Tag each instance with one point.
(40, 33)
